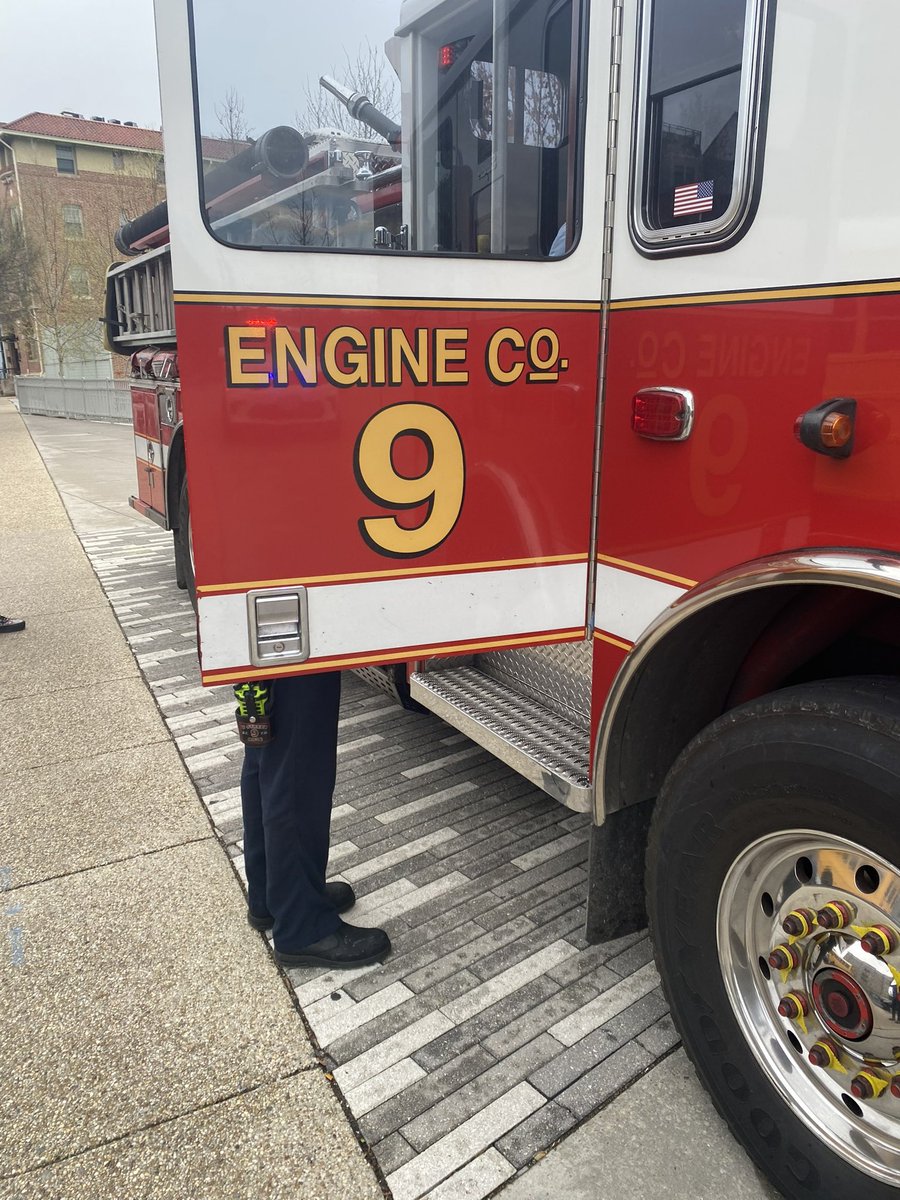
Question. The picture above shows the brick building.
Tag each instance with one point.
(66, 184)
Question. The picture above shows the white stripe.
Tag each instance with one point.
(142, 451)
(627, 603)
(354, 618)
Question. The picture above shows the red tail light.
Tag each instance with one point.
(663, 414)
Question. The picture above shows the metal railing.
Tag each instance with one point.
(77, 399)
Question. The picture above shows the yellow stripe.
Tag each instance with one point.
(816, 292)
(382, 302)
(819, 292)
(606, 637)
(642, 570)
(357, 660)
(401, 573)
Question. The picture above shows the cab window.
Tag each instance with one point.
(383, 126)
(698, 102)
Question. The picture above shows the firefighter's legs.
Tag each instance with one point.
(286, 790)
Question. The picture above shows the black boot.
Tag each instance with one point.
(348, 947)
(339, 893)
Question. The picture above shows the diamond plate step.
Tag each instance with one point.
(541, 745)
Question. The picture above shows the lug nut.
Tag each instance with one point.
(824, 1053)
(784, 958)
(799, 923)
(836, 914)
(867, 1085)
(794, 1005)
(879, 940)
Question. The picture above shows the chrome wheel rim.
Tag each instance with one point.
(851, 1019)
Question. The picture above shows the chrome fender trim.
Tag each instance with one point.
(873, 571)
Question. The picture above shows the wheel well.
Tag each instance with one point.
(729, 652)
(174, 476)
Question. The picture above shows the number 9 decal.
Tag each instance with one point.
(440, 486)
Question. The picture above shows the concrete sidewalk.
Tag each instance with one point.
(148, 1045)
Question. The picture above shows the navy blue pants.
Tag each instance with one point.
(286, 791)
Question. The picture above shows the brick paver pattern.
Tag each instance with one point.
(493, 1028)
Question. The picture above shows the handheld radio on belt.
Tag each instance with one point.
(253, 713)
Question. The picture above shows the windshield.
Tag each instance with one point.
(371, 125)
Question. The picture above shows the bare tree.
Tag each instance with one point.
(233, 123)
(69, 253)
(16, 261)
(65, 311)
(368, 72)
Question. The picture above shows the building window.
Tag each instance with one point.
(160, 170)
(698, 105)
(79, 282)
(118, 160)
(65, 160)
(73, 222)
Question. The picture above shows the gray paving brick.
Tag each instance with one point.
(539, 1018)
(420, 869)
(486, 826)
(476, 1029)
(574, 877)
(472, 1097)
(535, 827)
(561, 904)
(579, 965)
(483, 947)
(568, 925)
(633, 958)
(417, 1099)
(404, 961)
(511, 848)
(480, 902)
(525, 881)
(660, 1037)
(366, 1036)
(393, 1152)
(604, 1042)
(536, 1133)
(604, 1081)
(536, 937)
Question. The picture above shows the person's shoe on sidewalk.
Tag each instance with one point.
(339, 893)
(348, 947)
(11, 625)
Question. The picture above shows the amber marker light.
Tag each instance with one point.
(837, 429)
(828, 428)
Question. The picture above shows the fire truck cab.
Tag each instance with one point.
(558, 391)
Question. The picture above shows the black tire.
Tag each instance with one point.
(821, 756)
(184, 566)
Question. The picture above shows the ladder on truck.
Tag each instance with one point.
(139, 301)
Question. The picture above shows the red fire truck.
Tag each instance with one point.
(578, 421)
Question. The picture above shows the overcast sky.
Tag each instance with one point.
(99, 59)
(272, 75)
(90, 56)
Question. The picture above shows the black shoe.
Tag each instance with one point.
(339, 893)
(10, 625)
(348, 947)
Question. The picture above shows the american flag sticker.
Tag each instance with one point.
(693, 198)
